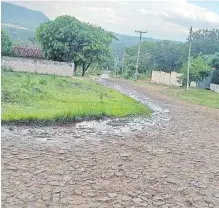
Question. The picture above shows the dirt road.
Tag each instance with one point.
(170, 162)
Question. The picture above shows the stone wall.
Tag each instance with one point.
(161, 77)
(38, 66)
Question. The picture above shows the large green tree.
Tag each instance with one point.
(69, 40)
(6, 44)
(59, 38)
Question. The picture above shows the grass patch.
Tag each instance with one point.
(31, 97)
(195, 95)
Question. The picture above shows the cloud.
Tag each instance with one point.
(148, 12)
(163, 19)
(187, 14)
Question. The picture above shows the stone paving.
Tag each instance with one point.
(175, 165)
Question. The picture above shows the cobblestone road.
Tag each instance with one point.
(175, 165)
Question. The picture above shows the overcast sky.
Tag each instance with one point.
(169, 19)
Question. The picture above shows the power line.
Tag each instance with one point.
(190, 46)
(139, 48)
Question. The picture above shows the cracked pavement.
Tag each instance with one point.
(172, 164)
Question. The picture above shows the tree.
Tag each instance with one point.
(212, 60)
(198, 70)
(205, 41)
(96, 46)
(6, 44)
(168, 55)
(107, 62)
(69, 40)
(162, 55)
(58, 39)
(215, 62)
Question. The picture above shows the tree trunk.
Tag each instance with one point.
(84, 68)
(74, 70)
(83, 72)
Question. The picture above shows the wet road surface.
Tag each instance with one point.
(170, 160)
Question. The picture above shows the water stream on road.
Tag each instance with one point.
(89, 130)
(160, 114)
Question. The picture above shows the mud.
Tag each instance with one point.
(170, 160)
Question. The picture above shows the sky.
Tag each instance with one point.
(162, 19)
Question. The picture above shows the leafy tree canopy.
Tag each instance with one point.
(67, 39)
(205, 41)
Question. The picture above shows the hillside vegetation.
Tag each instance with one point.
(21, 16)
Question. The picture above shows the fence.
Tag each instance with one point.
(38, 66)
(161, 77)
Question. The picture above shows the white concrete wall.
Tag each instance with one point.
(157, 77)
(153, 77)
(173, 78)
(178, 81)
(38, 66)
(161, 77)
(214, 87)
(167, 79)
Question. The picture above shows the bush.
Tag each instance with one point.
(6, 44)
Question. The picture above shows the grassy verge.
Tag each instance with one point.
(194, 95)
(31, 97)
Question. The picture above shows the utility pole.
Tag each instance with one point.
(116, 61)
(139, 49)
(123, 60)
(115, 65)
(190, 46)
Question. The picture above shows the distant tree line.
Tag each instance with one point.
(173, 56)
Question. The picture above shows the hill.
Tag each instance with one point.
(20, 23)
(126, 41)
(21, 16)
